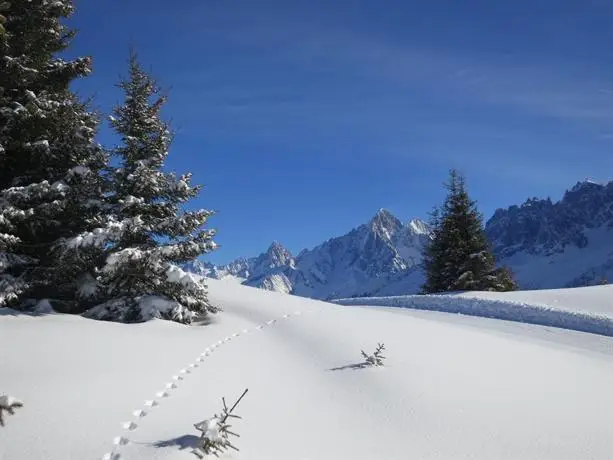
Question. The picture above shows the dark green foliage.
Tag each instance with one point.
(51, 187)
(459, 257)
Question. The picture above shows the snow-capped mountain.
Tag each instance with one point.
(564, 244)
(547, 245)
(381, 257)
(239, 269)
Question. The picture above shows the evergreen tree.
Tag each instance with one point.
(459, 257)
(149, 235)
(50, 183)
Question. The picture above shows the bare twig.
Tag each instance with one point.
(8, 404)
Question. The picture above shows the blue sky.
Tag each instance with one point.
(303, 118)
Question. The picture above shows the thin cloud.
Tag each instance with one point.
(287, 81)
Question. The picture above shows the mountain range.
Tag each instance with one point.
(568, 243)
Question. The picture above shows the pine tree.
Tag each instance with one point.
(459, 257)
(51, 187)
(149, 234)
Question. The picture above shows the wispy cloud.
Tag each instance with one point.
(284, 80)
(372, 68)
(551, 89)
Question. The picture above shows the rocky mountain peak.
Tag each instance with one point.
(385, 224)
(547, 244)
(277, 255)
(419, 227)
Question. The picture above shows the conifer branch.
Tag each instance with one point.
(8, 404)
(375, 359)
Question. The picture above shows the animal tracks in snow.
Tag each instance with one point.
(173, 385)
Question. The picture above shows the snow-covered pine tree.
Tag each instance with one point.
(459, 257)
(150, 235)
(50, 183)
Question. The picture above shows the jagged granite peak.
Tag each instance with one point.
(411, 240)
(276, 256)
(586, 184)
(541, 226)
(547, 244)
(570, 241)
(385, 224)
(419, 227)
(372, 258)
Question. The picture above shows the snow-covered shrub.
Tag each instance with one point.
(376, 358)
(215, 437)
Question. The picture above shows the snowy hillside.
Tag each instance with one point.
(453, 387)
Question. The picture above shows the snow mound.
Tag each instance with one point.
(587, 309)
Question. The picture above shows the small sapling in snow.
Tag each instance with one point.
(375, 359)
(215, 437)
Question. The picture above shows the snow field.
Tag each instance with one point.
(120, 441)
(453, 387)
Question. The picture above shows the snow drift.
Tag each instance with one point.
(592, 311)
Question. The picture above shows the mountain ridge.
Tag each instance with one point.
(547, 244)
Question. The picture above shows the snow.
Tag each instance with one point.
(419, 227)
(43, 145)
(87, 286)
(148, 307)
(596, 300)
(59, 186)
(452, 387)
(537, 271)
(80, 170)
(277, 282)
(210, 429)
(588, 309)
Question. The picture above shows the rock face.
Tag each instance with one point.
(563, 244)
(547, 245)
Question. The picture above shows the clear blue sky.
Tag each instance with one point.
(302, 118)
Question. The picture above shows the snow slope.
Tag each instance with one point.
(454, 387)
(588, 309)
(594, 300)
(570, 267)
